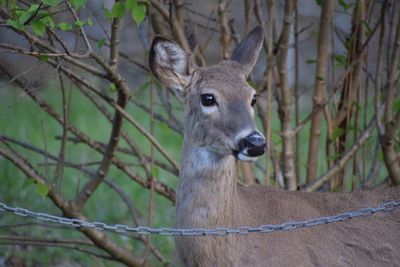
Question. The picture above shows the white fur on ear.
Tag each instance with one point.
(171, 54)
(169, 63)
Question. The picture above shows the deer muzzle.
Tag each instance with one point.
(251, 146)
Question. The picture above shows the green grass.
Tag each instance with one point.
(23, 120)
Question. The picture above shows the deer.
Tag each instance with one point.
(219, 130)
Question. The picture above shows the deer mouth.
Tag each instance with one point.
(249, 155)
(250, 147)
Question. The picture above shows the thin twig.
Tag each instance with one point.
(84, 36)
(341, 163)
(285, 106)
(226, 36)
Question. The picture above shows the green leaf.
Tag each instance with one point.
(42, 189)
(396, 105)
(43, 58)
(131, 4)
(33, 8)
(15, 24)
(112, 87)
(89, 22)
(320, 77)
(101, 42)
(332, 157)
(310, 61)
(47, 20)
(79, 23)
(118, 10)
(51, 3)
(108, 14)
(78, 3)
(318, 2)
(351, 128)
(24, 16)
(368, 28)
(64, 26)
(341, 60)
(38, 27)
(28, 182)
(139, 13)
(338, 132)
(345, 5)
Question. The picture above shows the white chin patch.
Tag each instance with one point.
(244, 157)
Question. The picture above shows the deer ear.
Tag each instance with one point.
(246, 53)
(169, 63)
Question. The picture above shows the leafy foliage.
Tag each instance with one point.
(136, 9)
(38, 17)
(396, 105)
(51, 3)
(78, 3)
(346, 6)
(341, 60)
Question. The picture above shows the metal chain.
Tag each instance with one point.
(245, 230)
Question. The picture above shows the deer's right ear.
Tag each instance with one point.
(170, 64)
(248, 50)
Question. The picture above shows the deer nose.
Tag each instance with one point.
(253, 144)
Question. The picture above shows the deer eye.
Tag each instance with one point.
(208, 100)
(254, 100)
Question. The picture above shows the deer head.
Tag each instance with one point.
(218, 102)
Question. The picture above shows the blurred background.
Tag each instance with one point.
(87, 132)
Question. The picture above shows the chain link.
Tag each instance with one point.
(244, 230)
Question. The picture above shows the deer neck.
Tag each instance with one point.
(207, 188)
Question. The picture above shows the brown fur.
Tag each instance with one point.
(209, 197)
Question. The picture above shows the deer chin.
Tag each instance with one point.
(239, 155)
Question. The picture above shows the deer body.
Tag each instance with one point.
(220, 129)
(215, 200)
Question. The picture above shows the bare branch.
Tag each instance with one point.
(108, 155)
(226, 37)
(83, 33)
(114, 42)
(59, 171)
(176, 28)
(391, 123)
(320, 87)
(160, 187)
(285, 107)
(97, 237)
(25, 241)
(313, 186)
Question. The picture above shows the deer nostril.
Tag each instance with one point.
(256, 139)
(253, 145)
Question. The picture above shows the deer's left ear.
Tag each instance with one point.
(246, 53)
(170, 64)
